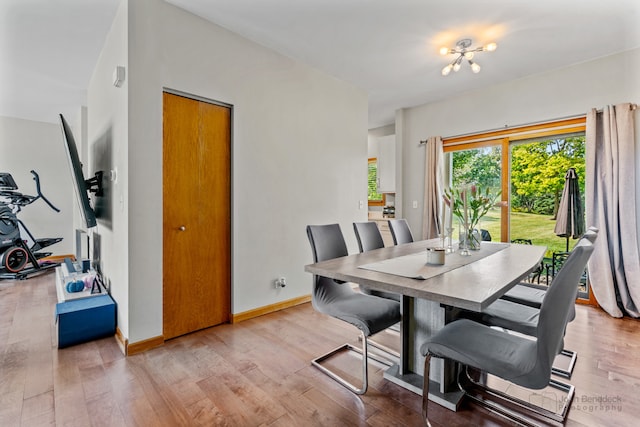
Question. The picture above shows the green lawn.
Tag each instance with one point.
(538, 228)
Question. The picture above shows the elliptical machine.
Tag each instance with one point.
(18, 247)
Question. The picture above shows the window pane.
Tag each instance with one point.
(372, 181)
(537, 179)
(480, 166)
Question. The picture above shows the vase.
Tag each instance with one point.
(475, 239)
(472, 242)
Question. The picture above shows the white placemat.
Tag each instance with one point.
(415, 265)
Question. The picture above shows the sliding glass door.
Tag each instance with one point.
(528, 166)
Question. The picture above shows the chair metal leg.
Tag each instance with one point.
(526, 413)
(365, 356)
(425, 390)
(390, 353)
(522, 412)
(566, 373)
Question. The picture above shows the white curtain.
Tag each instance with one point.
(433, 188)
(614, 267)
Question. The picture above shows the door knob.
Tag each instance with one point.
(182, 228)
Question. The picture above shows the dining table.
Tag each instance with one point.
(433, 295)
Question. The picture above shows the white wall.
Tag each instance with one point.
(374, 134)
(107, 123)
(298, 155)
(566, 92)
(27, 145)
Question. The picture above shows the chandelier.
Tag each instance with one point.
(463, 52)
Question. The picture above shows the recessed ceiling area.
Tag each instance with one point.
(389, 49)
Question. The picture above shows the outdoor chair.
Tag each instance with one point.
(557, 259)
(522, 241)
(370, 314)
(535, 274)
(520, 360)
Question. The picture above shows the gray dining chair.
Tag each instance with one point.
(369, 238)
(520, 360)
(368, 313)
(518, 310)
(400, 231)
(531, 294)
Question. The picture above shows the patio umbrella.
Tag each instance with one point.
(570, 219)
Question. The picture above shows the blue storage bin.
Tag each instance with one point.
(85, 319)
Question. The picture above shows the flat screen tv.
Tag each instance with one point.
(81, 186)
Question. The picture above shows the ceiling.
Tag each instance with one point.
(48, 50)
(388, 48)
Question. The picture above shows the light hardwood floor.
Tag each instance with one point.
(258, 373)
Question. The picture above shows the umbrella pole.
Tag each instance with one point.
(567, 244)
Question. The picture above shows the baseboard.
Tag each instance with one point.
(144, 345)
(130, 349)
(256, 312)
(122, 341)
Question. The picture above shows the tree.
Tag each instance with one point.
(480, 166)
(538, 170)
(372, 182)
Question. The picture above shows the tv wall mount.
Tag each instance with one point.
(94, 185)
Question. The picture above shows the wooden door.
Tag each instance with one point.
(196, 215)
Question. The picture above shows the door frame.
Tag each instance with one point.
(231, 180)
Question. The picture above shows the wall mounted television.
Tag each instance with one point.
(81, 185)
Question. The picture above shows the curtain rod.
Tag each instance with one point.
(632, 106)
(576, 116)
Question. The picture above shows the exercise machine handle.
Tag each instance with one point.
(36, 178)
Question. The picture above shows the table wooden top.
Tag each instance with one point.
(471, 287)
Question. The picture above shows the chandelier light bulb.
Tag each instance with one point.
(468, 55)
(444, 50)
(446, 70)
(474, 67)
(456, 66)
(491, 47)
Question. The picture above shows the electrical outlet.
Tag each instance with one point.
(415, 204)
